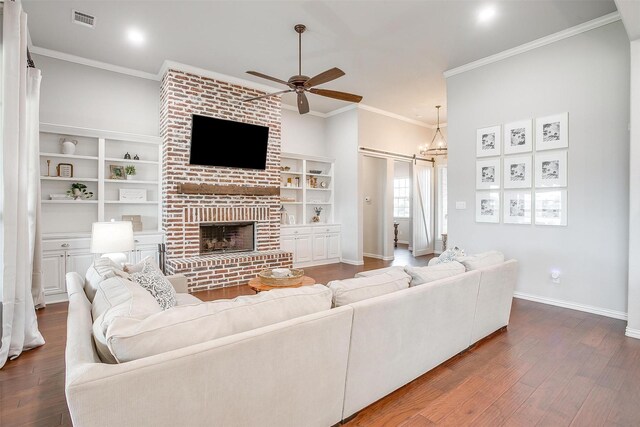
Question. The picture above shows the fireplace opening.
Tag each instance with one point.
(225, 237)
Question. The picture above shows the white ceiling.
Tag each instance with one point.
(393, 52)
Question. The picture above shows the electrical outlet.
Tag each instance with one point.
(461, 205)
(555, 276)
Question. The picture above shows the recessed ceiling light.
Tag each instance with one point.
(486, 14)
(135, 37)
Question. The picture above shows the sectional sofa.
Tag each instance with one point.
(313, 370)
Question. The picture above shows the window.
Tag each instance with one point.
(401, 200)
(442, 199)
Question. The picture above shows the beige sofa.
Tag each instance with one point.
(314, 370)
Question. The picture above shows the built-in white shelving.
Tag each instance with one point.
(96, 151)
(297, 194)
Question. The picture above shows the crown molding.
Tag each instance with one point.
(91, 63)
(341, 110)
(178, 66)
(543, 41)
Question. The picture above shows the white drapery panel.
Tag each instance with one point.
(20, 195)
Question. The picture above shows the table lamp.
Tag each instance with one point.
(112, 239)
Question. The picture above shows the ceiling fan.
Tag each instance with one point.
(301, 84)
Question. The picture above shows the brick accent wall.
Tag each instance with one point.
(183, 94)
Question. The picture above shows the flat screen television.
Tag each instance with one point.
(217, 142)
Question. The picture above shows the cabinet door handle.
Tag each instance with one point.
(295, 232)
(137, 241)
(62, 256)
(65, 245)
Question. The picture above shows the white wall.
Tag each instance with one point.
(633, 326)
(588, 76)
(303, 134)
(390, 134)
(374, 174)
(403, 170)
(342, 145)
(78, 95)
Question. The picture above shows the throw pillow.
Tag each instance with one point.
(421, 275)
(450, 255)
(151, 278)
(482, 260)
(100, 270)
(349, 291)
(118, 298)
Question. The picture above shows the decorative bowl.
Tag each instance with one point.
(267, 278)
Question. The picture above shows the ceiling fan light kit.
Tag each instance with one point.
(300, 83)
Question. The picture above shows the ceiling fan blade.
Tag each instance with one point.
(303, 103)
(342, 96)
(267, 95)
(324, 77)
(264, 76)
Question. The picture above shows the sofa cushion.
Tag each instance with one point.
(482, 260)
(186, 299)
(349, 291)
(421, 275)
(182, 326)
(117, 297)
(100, 270)
(370, 273)
(150, 277)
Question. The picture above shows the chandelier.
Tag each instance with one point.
(438, 145)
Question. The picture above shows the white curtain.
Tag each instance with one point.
(20, 194)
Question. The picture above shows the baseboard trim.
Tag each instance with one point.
(632, 333)
(316, 263)
(572, 306)
(351, 261)
(56, 298)
(404, 242)
(376, 256)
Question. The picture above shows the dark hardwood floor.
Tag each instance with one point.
(551, 367)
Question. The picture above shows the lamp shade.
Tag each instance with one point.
(110, 237)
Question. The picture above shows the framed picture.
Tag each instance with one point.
(518, 137)
(133, 195)
(551, 169)
(517, 172)
(488, 206)
(552, 132)
(488, 174)
(551, 207)
(117, 172)
(488, 142)
(65, 170)
(517, 207)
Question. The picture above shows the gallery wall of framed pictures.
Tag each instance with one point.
(522, 174)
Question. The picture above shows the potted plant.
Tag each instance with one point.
(79, 191)
(130, 171)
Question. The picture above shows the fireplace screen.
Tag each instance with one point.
(224, 237)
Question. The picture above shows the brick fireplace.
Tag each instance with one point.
(185, 215)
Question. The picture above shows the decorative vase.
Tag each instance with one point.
(130, 177)
(68, 146)
(77, 194)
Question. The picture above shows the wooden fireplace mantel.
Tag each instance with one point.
(186, 188)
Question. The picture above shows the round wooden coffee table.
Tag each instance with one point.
(257, 286)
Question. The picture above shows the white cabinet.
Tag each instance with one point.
(53, 271)
(319, 247)
(333, 245)
(304, 249)
(299, 244)
(63, 255)
(312, 244)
